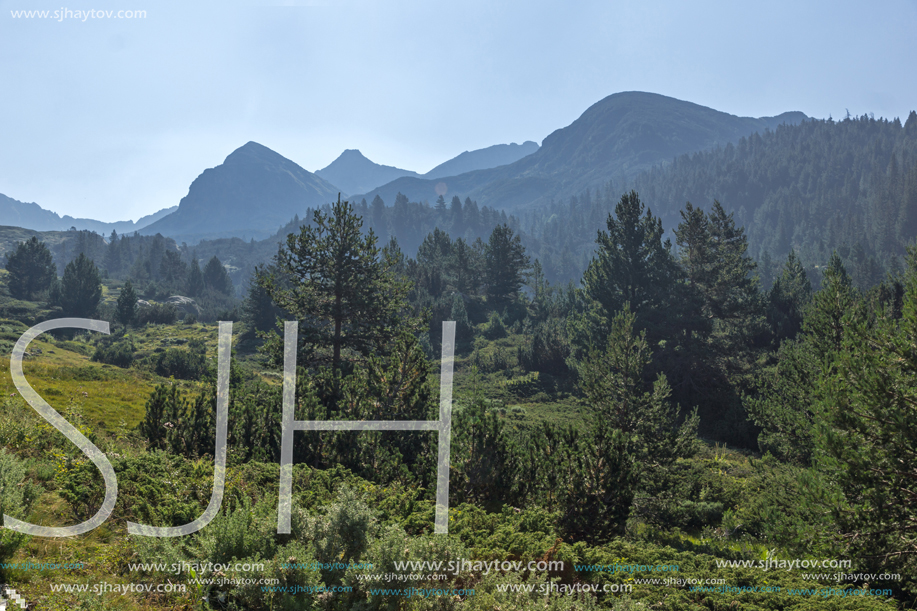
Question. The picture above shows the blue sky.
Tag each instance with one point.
(113, 118)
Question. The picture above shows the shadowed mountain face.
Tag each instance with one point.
(615, 139)
(354, 173)
(32, 216)
(251, 194)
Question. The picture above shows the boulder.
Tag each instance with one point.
(184, 305)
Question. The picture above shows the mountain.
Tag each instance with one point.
(32, 216)
(481, 159)
(613, 140)
(252, 193)
(815, 187)
(354, 173)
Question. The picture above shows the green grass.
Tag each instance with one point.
(107, 396)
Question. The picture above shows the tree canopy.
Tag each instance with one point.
(81, 288)
(31, 269)
(341, 287)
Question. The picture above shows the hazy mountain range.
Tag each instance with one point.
(256, 190)
(353, 173)
(32, 216)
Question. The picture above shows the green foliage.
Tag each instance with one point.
(815, 187)
(790, 505)
(614, 383)
(788, 298)
(216, 278)
(713, 255)
(391, 387)
(126, 307)
(31, 269)
(635, 432)
(495, 327)
(14, 501)
(793, 396)
(632, 266)
(332, 279)
(464, 331)
(153, 488)
(868, 435)
(182, 363)
(547, 348)
(195, 281)
(119, 353)
(81, 288)
(506, 265)
(178, 424)
(157, 314)
(258, 310)
(481, 453)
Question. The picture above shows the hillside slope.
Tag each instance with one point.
(615, 139)
(482, 159)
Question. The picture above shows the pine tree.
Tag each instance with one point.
(463, 329)
(632, 266)
(172, 270)
(788, 298)
(81, 288)
(467, 263)
(828, 316)
(195, 285)
(868, 442)
(613, 381)
(635, 436)
(378, 219)
(713, 254)
(435, 251)
(458, 216)
(766, 273)
(792, 400)
(258, 310)
(31, 269)
(215, 277)
(506, 265)
(333, 279)
(126, 308)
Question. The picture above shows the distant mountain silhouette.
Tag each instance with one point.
(615, 139)
(482, 159)
(251, 194)
(32, 216)
(352, 172)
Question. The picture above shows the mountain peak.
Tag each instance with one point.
(254, 191)
(252, 150)
(353, 172)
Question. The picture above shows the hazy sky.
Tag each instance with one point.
(113, 118)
